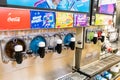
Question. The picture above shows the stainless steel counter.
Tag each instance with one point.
(51, 67)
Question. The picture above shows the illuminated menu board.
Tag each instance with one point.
(104, 2)
(42, 19)
(64, 20)
(107, 8)
(103, 19)
(80, 20)
(14, 19)
(69, 5)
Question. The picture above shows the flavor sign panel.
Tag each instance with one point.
(69, 5)
(41, 19)
(103, 19)
(80, 20)
(64, 20)
(14, 19)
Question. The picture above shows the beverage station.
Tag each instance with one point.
(59, 40)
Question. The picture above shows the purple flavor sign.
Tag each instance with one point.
(80, 20)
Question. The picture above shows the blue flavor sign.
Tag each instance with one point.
(42, 19)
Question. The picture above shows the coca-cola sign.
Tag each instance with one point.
(14, 19)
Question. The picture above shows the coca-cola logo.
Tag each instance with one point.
(13, 19)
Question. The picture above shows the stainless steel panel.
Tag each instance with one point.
(49, 68)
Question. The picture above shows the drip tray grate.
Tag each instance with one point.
(73, 76)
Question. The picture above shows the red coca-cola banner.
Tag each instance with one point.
(14, 19)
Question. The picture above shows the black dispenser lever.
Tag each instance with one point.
(58, 47)
(18, 53)
(72, 43)
(41, 50)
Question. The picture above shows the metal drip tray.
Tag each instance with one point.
(73, 76)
